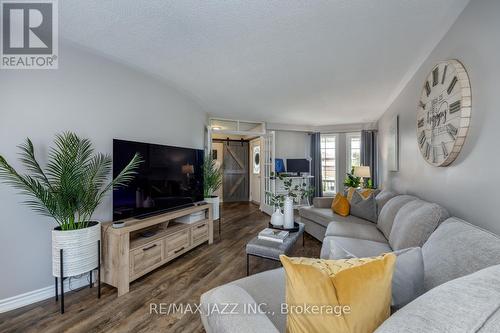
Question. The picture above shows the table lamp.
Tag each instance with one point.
(362, 172)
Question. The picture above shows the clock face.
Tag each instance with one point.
(443, 113)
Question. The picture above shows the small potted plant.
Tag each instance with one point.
(351, 180)
(212, 181)
(69, 190)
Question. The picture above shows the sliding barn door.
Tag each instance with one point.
(268, 183)
(236, 176)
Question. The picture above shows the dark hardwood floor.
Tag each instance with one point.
(181, 281)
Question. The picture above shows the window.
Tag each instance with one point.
(353, 142)
(328, 163)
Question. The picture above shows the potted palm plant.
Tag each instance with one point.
(212, 181)
(69, 190)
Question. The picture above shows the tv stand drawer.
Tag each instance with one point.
(177, 243)
(199, 233)
(143, 258)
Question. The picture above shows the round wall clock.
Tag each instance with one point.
(443, 113)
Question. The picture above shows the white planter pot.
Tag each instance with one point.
(277, 218)
(80, 253)
(288, 213)
(215, 201)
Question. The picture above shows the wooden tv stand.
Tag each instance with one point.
(126, 255)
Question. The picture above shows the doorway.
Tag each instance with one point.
(235, 182)
(233, 144)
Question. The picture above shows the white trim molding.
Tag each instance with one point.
(344, 128)
(38, 295)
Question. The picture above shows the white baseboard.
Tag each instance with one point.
(34, 296)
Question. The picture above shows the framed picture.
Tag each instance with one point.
(393, 145)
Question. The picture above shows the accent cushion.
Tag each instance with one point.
(458, 248)
(340, 205)
(344, 247)
(414, 223)
(359, 288)
(467, 304)
(364, 207)
(367, 231)
(364, 192)
(389, 210)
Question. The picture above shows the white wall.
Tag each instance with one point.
(469, 187)
(292, 144)
(98, 99)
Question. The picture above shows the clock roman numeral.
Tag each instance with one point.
(452, 130)
(445, 151)
(420, 123)
(454, 107)
(452, 85)
(444, 74)
(427, 150)
(428, 88)
(435, 76)
(422, 105)
(421, 138)
(434, 154)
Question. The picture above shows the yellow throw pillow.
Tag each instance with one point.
(365, 193)
(341, 296)
(350, 193)
(340, 205)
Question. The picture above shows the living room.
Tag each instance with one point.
(249, 166)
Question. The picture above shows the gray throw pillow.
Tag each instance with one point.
(364, 208)
(408, 277)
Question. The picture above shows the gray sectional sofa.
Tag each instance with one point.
(461, 271)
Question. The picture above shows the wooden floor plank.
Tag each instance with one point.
(180, 281)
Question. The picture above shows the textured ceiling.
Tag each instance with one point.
(296, 62)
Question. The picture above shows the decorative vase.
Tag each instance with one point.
(215, 201)
(288, 213)
(80, 250)
(277, 218)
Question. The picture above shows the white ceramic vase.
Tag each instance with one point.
(215, 201)
(277, 218)
(288, 213)
(79, 250)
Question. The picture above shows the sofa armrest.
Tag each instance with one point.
(322, 202)
(225, 310)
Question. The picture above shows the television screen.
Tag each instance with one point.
(169, 178)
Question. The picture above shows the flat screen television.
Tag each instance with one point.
(169, 178)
